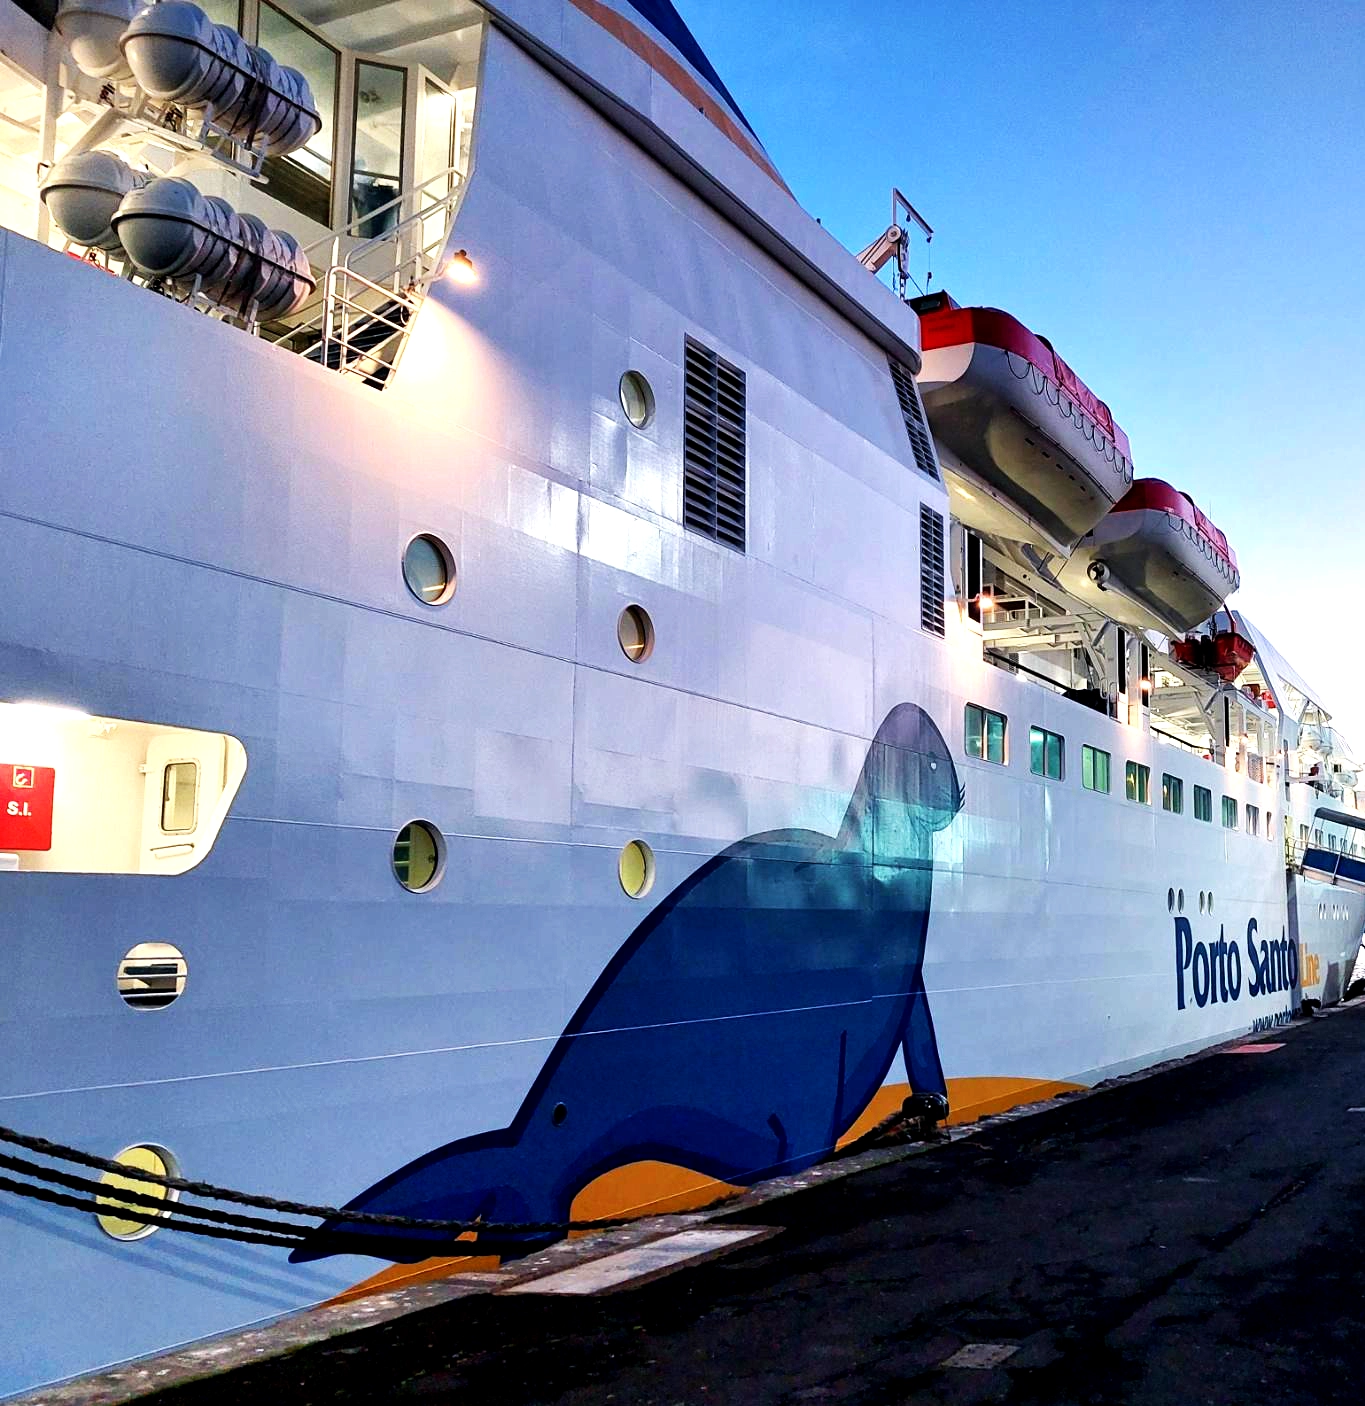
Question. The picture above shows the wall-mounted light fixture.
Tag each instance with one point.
(461, 269)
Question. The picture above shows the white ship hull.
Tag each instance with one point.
(201, 531)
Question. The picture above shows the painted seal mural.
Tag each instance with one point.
(740, 1029)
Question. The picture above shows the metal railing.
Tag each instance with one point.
(369, 295)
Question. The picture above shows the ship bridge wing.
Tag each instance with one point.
(1292, 694)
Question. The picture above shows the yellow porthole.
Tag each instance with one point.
(635, 633)
(637, 399)
(635, 868)
(419, 855)
(114, 1217)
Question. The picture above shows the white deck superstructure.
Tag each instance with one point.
(232, 709)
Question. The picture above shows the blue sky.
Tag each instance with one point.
(1173, 193)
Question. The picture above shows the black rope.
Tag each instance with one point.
(210, 1192)
(103, 1208)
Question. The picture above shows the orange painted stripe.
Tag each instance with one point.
(658, 1188)
(677, 77)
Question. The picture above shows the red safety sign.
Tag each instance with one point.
(26, 806)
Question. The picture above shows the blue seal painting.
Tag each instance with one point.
(741, 1028)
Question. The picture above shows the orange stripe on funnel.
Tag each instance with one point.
(672, 72)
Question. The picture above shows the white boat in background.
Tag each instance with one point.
(514, 708)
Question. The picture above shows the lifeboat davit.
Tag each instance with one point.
(1020, 423)
(1155, 562)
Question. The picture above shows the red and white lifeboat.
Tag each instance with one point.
(1017, 422)
(1156, 562)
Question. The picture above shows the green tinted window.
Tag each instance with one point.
(1137, 783)
(984, 734)
(1203, 803)
(1045, 753)
(1094, 769)
(1229, 813)
(1172, 794)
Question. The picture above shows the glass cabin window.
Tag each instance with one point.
(1095, 769)
(1253, 820)
(1045, 753)
(1203, 803)
(377, 166)
(985, 734)
(1229, 813)
(1137, 783)
(1172, 793)
(303, 180)
(179, 797)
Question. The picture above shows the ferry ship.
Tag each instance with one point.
(535, 685)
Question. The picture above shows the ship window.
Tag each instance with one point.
(1095, 769)
(714, 446)
(637, 399)
(1172, 793)
(635, 633)
(179, 797)
(1229, 813)
(303, 179)
(931, 562)
(1046, 753)
(377, 162)
(912, 412)
(635, 869)
(429, 569)
(1203, 803)
(1253, 820)
(1137, 782)
(418, 856)
(115, 1217)
(152, 975)
(984, 734)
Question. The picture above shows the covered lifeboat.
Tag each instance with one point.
(1155, 562)
(1017, 422)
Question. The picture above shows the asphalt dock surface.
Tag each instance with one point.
(1194, 1236)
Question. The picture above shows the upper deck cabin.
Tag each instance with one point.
(369, 198)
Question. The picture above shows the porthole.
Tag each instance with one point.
(1180, 900)
(419, 856)
(113, 1217)
(637, 399)
(558, 1114)
(429, 569)
(152, 975)
(635, 633)
(1201, 900)
(635, 868)
(1210, 900)
(1170, 900)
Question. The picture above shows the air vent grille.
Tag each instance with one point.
(912, 409)
(931, 579)
(714, 448)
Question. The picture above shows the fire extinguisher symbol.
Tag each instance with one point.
(23, 778)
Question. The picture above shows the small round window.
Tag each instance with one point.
(636, 869)
(637, 399)
(116, 1218)
(418, 856)
(429, 570)
(635, 631)
(152, 975)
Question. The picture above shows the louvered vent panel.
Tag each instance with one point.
(714, 449)
(931, 579)
(917, 427)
